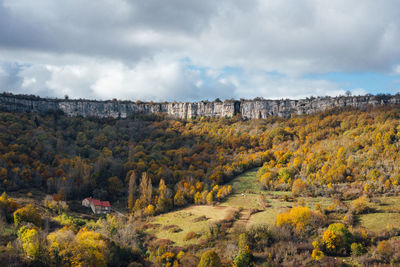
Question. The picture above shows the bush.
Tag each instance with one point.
(29, 238)
(259, 237)
(210, 259)
(337, 239)
(299, 188)
(59, 206)
(317, 254)
(244, 256)
(65, 219)
(360, 205)
(384, 249)
(27, 214)
(349, 218)
(357, 249)
(190, 235)
(7, 207)
(301, 218)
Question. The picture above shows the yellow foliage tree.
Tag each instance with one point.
(150, 210)
(86, 248)
(29, 238)
(337, 239)
(299, 187)
(300, 217)
(27, 214)
(210, 198)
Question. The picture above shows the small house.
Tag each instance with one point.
(97, 206)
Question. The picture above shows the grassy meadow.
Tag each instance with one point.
(176, 225)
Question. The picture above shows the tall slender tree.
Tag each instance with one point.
(146, 188)
(131, 190)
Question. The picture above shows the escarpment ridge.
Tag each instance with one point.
(247, 109)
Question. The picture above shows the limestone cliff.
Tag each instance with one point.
(248, 109)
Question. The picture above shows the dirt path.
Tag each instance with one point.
(244, 217)
(218, 213)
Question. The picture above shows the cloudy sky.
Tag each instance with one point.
(191, 50)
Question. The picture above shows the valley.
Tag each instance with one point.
(320, 189)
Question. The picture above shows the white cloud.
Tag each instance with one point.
(162, 79)
(358, 91)
(397, 69)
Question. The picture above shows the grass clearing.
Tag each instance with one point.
(265, 217)
(246, 183)
(188, 221)
(380, 221)
(247, 191)
(392, 202)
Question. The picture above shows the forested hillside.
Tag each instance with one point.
(150, 165)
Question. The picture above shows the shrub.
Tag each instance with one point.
(7, 206)
(244, 256)
(337, 239)
(29, 238)
(349, 218)
(59, 206)
(360, 205)
(27, 214)
(150, 210)
(299, 188)
(357, 249)
(167, 257)
(300, 218)
(65, 219)
(260, 236)
(384, 249)
(86, 248)
(317, 254)
(214, 230)
(190, 235)
(210, 259)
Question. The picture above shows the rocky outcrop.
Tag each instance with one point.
(248, 109)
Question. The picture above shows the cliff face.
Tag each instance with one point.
(248, 109)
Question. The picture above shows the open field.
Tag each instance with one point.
(380, 221)
(175, 225)
(246, 182)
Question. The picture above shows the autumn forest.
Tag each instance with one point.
(324, 187)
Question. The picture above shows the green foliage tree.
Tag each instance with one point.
(245, 255)
(337, 239)
(210, 259)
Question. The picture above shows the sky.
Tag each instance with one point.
(191, 50)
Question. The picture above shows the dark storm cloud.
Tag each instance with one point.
(137, 49)
(99, 28)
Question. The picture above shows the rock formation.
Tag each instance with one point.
(247, 109)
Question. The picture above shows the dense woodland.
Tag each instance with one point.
(148, 165)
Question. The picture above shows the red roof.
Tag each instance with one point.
(97, 202)
(105, 204)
